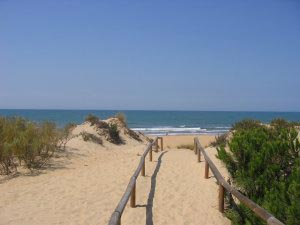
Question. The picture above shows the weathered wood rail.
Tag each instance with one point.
(223, 185)
(130, 192)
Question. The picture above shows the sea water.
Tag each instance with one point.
(157, 122)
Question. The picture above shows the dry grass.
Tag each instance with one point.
(186, 146)
(121, 116)
(92, 119)
(220, 140)
(91, 137)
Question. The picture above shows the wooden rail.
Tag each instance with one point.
(130, 192)
(223, 185)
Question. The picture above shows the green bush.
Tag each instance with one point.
(264, 163)
(66, 134)
(38, 143)
(92, 119)
(246, 124)
(295, 123)
(7, 132)
(234, 216)
(280, 123)
(25, 142)
(114, 134)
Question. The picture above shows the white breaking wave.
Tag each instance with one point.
(180, 130)
(170, 129)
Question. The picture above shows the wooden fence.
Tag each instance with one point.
(130, 192)
(223, 185)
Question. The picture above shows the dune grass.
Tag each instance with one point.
(186, 146)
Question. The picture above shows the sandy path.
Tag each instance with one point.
(175, 192)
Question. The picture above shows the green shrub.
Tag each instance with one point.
(246, 124)
(25, 142)
(66, 134)
(38, 143)
(92, 119)
(234, 216)
(114, 134)
(264, 164)
(280, 123)
(91, 137)
(220, 140)
(295, 123)
(7, 133)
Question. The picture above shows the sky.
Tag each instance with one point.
(158, 55)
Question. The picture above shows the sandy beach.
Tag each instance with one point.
(84, 184)
(175, 141)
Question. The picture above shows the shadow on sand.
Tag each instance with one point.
(149, 206)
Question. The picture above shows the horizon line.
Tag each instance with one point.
(158, 110)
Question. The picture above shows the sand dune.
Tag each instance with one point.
(84, 184)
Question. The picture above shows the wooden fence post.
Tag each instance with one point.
(162, 143)
(206, 170)
(199, 155)
(132, 198)
(150, 154)
(143, 169)
(221, 198)
(195, 147)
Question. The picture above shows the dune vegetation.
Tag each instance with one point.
(186, 146)
(220, 140)
(264, 164)
(29, 144)
(110, 129)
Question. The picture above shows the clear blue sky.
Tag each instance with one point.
(177, 55)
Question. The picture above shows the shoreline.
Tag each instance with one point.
(174, 135)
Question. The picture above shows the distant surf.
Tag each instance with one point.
(157, 122)
(155, 131)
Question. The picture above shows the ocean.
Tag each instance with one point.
(157, 122)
